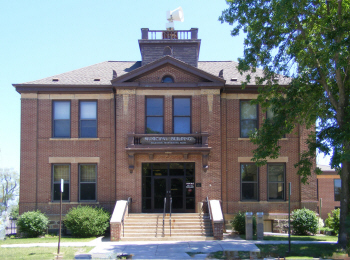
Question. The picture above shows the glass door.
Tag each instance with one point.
(165, 180)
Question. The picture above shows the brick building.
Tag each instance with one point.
(168, 125)
(328, 190)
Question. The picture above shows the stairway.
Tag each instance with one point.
(184, 227)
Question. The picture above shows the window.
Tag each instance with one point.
(60, 171)
(87, 182)
(182, 115)
(154, 115)
(249, 118)
(276, 177)
(61, 119)
(337, 189)
(270, 115)
(167, 79)
(88, 119)
(249, 182)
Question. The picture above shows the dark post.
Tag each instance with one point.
(290, 193)
(59, 236)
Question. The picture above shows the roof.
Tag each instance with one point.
(325, 168)
(102, 73)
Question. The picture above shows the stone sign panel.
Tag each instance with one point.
(168, 140)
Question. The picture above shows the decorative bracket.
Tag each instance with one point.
(151, 156)
(185, 156)
(131, 157)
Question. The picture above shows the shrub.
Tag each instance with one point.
(32, 223)
(304, 222)
(85, 221)
(238, 223)
(333, 220)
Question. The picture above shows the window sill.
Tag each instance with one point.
(247, 139)
(74, 139)
(72, 203)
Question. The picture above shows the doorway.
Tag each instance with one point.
(172, 181)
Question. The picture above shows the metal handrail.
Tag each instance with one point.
(209, 210)
(164, 214)
(171, 205)
(126, 207)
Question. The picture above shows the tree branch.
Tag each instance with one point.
(318, 67)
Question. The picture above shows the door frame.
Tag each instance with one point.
(168, 179)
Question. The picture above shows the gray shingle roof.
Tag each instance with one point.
(104, 72)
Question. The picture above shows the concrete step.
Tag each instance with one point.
(192, 226)
(172, 238)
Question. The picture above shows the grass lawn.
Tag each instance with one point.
(46, 239)
(297, 238)
(303, 251)
(302, 238)
(297, 252)
(41, 252)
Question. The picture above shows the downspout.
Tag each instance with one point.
(36, 151)
(115, 143)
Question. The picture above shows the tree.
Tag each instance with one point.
(9, 187)
(308, 41)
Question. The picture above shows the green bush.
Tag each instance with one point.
(32, 223)
(238, 223)
(333, 220)
(85, 221)
(304, 222)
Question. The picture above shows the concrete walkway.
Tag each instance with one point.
(105, 249)
(169, 249)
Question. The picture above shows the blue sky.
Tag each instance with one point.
(44, 38)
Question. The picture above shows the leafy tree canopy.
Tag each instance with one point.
(308, 41)
(9, 187)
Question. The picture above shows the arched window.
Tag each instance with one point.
(167, 51)
(167, 79)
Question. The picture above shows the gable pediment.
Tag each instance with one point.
(181, 72)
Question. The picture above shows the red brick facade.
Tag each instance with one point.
(326, 193)
(121, 112)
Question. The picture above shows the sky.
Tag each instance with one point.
(41, 38)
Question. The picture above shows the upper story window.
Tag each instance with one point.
(88, 119)
(337, 189)
(154, 115)
(182, 115)
(61, 119)
(249, 181)
(276, 181)
(248, 118)
(60, 171)
(167, 79)
(270, 116)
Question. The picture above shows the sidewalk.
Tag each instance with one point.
(105, 249)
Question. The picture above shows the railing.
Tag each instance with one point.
(171, 205)
(126, 207)
(169, 34)
(151, 140)
(210, 217)
(164, 214)
(11, 227)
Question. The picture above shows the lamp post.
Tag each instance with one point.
(290, 193)
(59, 236)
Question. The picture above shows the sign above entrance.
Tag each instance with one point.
(168, 140)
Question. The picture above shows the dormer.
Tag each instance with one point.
(181, 45)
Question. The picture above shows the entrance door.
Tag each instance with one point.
(168, 180)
